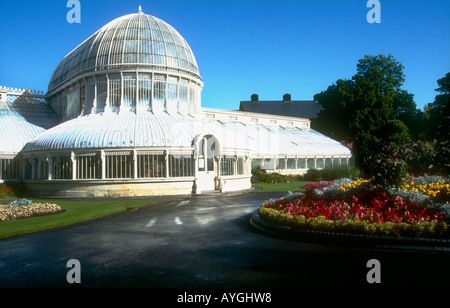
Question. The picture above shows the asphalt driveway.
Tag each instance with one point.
(201, 242)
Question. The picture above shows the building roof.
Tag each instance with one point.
(299, 109)
(143, 130)
(20, 122)
(134, 40)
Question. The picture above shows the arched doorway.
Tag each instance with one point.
(208, 163)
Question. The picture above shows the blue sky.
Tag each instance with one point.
(245, 46)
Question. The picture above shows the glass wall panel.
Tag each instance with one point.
(129, 92)
(320, 163)
(257, 162)
(281, 164)
(9, 169)
(240, 165)
(183, 97)
(301, 163)
(119, 166)
(291, 164)
(151, 166)
(181, 165)
(159, 93)
(90, 96)
(172, 95)
(115, 94)
(201, 155)
(42, 169)
(62, 168)
(88, 167)
(227, 165)
(145, 92)
(269, 163)
(101, 95)
(336, 162)
(311, 163)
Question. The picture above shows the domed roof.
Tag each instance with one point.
(132, 41)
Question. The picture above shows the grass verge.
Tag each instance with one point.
(280, 187)
(75, 211)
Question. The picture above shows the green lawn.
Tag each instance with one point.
(75, 211)
(281, 187)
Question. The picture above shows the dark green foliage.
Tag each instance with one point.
(394, 161)
(328, 174)
(262, 176)
(438, 112)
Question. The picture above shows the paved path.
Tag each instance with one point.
(200, 242)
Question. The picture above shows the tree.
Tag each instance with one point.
(438, 112)
(371, 109)
(334, 117)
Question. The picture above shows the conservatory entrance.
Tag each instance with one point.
(208, 168)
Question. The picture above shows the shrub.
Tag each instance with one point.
(21, 202)
(7, 191)
(330, 174)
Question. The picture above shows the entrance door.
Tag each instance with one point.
(207, 167)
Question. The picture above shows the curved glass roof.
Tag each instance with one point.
(21, 122)
(144, 130)
(135, 40)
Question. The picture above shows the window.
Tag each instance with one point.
(151, 165)
(181, 165)
(201, 155)
(88, 167)
(301, 163)
(42, 168)
(227, 165)
(311, 163)
(101, 94)
(9, 168)
(257, 162)
(291, 164)
(115, 94)
(172, 95)
(159, 93)
(145, 91)
(320, 163)
(281, 165)
(119, 166)
(240, 165)
(183, 96)
(62, 168)
(129, 91)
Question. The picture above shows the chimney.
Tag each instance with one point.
(287, 97)
(254, 97)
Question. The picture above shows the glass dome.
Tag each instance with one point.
(135, 40)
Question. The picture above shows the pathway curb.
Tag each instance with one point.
(346, 239)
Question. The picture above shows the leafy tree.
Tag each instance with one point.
(334, 117)
(371, 109)
(438, 112)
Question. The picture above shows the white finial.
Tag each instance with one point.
(140, 9)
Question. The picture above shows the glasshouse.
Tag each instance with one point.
(123, 117)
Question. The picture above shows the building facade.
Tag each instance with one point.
(123, 117)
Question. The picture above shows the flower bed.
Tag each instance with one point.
(25, 208)
(356, 206)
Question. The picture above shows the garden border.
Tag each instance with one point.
(347, 239)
